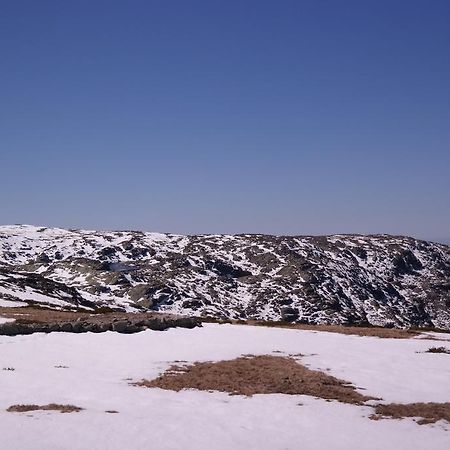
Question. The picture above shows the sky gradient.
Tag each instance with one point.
(280, 117)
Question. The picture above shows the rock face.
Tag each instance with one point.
(99, 324)
(341, 279)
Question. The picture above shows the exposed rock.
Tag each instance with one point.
(226, 270)
(98, 324)
(406, 263)
(120, 326)
(142, 292)
(289, 314)
(66, 327)
(381, 280)
(192, 304)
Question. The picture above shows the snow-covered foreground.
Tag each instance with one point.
(94, 371)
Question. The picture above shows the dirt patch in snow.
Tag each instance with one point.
(249, 375)
(425, 412)
(49, 407)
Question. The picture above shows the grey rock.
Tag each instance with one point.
(120, 326)
(66, 327)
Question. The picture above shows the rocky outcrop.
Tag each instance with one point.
(100, 324)
(382, 280)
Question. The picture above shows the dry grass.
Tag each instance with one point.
(42, 315)
(427, 412)
(49, 407)
(249, 375)
(390, 333)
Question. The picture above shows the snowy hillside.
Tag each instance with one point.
(341, 279)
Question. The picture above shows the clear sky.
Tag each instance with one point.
(283, 117)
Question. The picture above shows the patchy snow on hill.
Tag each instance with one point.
(342, 279)
(94, 372)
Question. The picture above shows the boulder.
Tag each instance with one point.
(289, 314)
(120, 326)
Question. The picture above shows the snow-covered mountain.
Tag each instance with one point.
(340, 279)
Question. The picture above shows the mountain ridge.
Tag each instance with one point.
(443, 241)
(374, 279)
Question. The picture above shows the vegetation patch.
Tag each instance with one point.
(35, 314)
(438, 350)
(49, 407)
(388, 333)
(250, 375)
(423, 412)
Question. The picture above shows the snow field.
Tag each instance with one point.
(95, 371)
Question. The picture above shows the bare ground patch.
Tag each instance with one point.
(49, 407)
(34, 314)
(426, 412)
(249, 375)
(438, 350)
(389, 333)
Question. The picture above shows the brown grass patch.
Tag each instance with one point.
(428, 412)
(389, 333)
(49, 407)
(249, 375)
(30, 314)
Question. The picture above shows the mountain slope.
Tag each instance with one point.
(341, 279)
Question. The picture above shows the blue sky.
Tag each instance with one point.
(283, 117)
